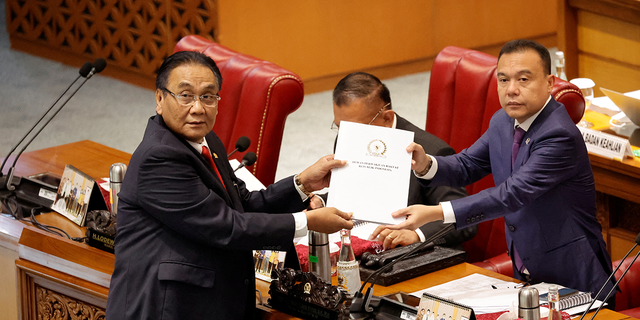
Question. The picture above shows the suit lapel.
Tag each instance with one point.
(226, 172)
(529, 136)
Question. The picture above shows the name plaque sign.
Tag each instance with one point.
(606, 145)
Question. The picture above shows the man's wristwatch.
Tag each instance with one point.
(300, 186)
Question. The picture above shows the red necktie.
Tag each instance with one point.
(207, 155)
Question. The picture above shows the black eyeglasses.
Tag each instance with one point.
(189, 99)
(336, 127)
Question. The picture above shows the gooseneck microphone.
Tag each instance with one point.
(611, 276)
(87, 71)
(248, 160)
(242, 144)
(84, 71)
(362, 303)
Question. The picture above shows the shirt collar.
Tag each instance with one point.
(198, 146)
(395, 121)
(525, 125)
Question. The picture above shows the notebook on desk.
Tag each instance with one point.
(629, 105)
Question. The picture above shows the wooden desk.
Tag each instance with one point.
(422, 282)
(54, 272)
(44, 286)
(618, 192)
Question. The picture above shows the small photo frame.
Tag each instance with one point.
(265, 261)
(74, 193)
(432, 307)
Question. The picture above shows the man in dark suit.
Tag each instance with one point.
(544, 185)
(362, 98)
(186, 223)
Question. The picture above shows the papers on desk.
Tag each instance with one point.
(486, 294)
(375, 181)
(544, 288)
(477, 291)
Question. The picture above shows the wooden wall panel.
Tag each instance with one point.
(620, 242)
(608, 73)
(133, 36)
(320, 40)
(601, 40)
(605, 36)
(324, 40)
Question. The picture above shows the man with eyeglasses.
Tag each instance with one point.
(186, 223)
(362, 98)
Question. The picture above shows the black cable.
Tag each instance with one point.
(45, 227)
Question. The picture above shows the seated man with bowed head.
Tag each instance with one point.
(544, 185)
(362, 98)
(186, 223)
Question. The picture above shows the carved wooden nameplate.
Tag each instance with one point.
(56, 306)
(304, 295)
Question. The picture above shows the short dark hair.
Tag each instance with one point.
(185, 57)
(360, 85)
(522, 45)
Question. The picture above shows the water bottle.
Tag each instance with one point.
(348, 266)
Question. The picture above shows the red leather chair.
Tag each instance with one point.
(462, 98)
(257, 96)
(628, 299)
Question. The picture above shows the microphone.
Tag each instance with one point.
(248, 160)
(242, 144)
(8, 183)
(116, 174)
(617, 282)
(98, 66)
(84, 71)
(363, 302)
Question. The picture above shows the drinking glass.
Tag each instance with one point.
(586, 86)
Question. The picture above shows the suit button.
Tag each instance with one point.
(246, 282)
(482, 216)
(278, 248)
(468, 220)
(512, 228)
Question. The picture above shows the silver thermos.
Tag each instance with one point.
(319, 259)
(528, 304)
(116, 175)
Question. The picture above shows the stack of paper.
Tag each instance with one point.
(482, 293)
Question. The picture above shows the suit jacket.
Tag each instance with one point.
(419, 194)
(548, 200)
(183, 247)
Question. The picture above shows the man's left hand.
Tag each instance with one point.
(317, 176)
(393, 238)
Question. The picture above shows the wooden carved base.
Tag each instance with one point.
(56, 306)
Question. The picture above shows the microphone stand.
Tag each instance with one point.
(617, 282)
(6, 182)
(363, 302)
